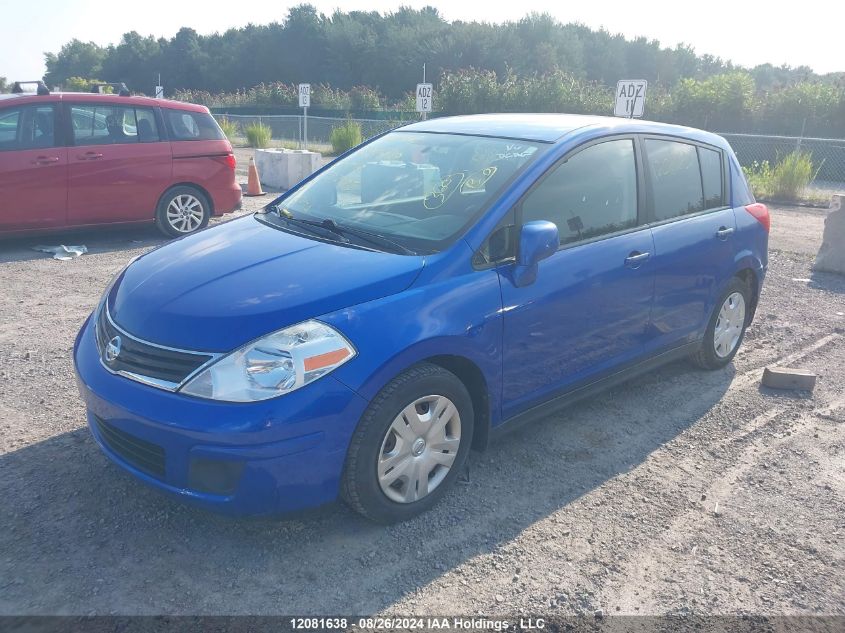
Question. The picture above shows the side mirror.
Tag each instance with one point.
(537, 241)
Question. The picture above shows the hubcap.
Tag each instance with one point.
(185, 213)
(729, 325)
(419, 449)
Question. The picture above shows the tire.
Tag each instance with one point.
(717, 350)
(182, 211)
(377, 449)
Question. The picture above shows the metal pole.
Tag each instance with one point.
(801, 137)
(423, 113)
(305, 127)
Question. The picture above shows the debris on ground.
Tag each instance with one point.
(62, 252)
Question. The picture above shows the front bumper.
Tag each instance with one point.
(269, 457)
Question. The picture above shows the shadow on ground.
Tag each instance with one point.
(79, 536)
(99, 240)
(832, 282)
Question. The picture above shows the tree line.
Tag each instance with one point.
(364, 59)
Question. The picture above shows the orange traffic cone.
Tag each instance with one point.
(253, 187)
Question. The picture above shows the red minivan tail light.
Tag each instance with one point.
(761, 213)
(227, 159)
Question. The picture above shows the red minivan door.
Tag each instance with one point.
(119, 163)
(33, 168)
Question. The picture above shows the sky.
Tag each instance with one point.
(748, 32)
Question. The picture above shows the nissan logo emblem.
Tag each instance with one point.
(113, 349)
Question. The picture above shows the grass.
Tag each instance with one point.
(229, 127)
(258, 135)
(787, 179)
(345, 137)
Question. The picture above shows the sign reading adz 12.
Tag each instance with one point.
(630, 97)
(304, 95)
(424, 97)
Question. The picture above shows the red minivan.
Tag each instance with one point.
(70, 160)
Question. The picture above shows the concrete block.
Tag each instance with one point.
(831, 256)
(283, 168)
(788, 378)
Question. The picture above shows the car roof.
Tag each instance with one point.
(551, 128)
(86, 97)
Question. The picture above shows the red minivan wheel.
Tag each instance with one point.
(182, 210)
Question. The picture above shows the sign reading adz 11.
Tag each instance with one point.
(630, 97)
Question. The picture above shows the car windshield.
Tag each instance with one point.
(420, 190)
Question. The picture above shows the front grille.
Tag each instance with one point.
(145, 359)
(143, 455)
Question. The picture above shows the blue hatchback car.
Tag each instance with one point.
(429, 289)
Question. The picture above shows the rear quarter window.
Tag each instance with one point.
(740, 190)
(192, 126)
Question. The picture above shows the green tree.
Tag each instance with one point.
(74, 59)
(136, 60)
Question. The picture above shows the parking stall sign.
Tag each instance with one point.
(630, 98)
(425, 92)
(304, 95)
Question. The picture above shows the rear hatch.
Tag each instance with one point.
(195, 134)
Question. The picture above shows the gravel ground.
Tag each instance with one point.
(681, 492)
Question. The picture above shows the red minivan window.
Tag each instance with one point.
(192, 126)
(109, 124)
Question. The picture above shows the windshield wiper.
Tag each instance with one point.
(309, 225)
(371, 237)
(342, 230)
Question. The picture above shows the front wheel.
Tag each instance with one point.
(181, 211)
(412, 442)
(726, 327)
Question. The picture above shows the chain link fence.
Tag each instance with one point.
(288, 129)
(828, 155)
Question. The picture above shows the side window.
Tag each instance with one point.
(9, 123)
(29, 127)
(711, 177)
(675, 178)
(593, 193)
(192, 126)
(103, 124)
(147, 125)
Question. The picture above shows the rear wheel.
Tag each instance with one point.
(412, 442)
(726, 327)
(182, 210)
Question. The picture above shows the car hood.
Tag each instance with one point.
(225, 286)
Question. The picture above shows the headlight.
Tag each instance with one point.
(273, 365)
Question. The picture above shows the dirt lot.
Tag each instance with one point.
(683, 491)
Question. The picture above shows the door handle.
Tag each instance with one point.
(636, 259)
(45, 160)
(724, 232)
(89, 156)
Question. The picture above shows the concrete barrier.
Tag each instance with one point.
(283, 168)
(789, 378)
(831, 256)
